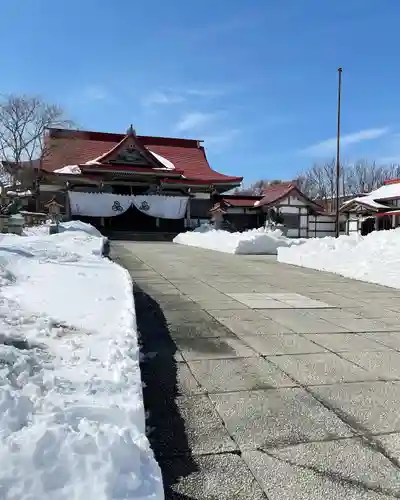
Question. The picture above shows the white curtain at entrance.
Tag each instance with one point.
(110, 205)
(164, 207)
(98, 204)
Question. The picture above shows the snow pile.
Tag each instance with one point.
(373, 258)
(71, 410)
(256, 241)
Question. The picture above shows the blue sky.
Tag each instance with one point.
(256, 79)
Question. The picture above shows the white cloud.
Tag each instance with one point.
(223, 138)
(96, 93)
(161, 97)
(193, 120)
(328, 147)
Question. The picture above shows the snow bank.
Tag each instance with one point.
(71, 409)
(256, 241)
(373, 258)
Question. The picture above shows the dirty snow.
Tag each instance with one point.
(71, 409)
(373, 258)
(256, 241)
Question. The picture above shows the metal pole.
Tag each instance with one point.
(338, 154)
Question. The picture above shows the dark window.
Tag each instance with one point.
(291, 221)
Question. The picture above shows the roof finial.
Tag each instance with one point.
(131, 130)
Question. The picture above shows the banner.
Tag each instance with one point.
(164, 207)
(111, 205)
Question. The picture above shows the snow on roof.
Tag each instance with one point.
(167, 164)
(364, 200)
(69, 169)
(386, 192)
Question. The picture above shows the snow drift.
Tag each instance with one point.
(71, 410)
(256, 241)
(374, 258)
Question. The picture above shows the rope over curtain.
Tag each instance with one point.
(111, 205)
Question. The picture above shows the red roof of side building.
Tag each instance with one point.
(240, 201)
(275, 193)
(73, 147)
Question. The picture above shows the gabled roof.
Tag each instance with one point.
(277, 192)
(376, 199)
(240, 201)
(364, 201)
(91, 150)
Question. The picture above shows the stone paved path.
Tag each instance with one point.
(265, 380)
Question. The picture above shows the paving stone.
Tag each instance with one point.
(391, 444)
(370, 406)
(361, 325)
(198, 330)
(203, 428)
(256, 327)
(384, 364)
(321, 368)
(301, 322)
(335, 470)
(178, 317)
(342, 342)
(238, 374)
(172, 380)
(276, 417)
(221, 305)
(213, 348)
(335, 313)
(389, 339)
(281, 344)
(212, 477)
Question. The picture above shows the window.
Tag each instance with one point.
(291, 221)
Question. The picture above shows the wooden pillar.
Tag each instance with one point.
(188, 215)
(67, 204)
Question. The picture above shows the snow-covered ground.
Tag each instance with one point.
(72, 421)
(256, 241)
(374, 258)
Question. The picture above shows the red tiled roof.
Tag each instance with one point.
(240, 201)
(72, 147)
(273, 194)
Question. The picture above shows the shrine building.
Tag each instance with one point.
(130, 182)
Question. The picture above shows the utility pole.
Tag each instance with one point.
(338, 154)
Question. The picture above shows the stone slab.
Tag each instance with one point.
(212, 477)
(391, 444)
(285, 343)
(320, 368)
(204, 431)
(335, 470)
(390, 339)
(301, 322)
(342, 342)
(213, 348)
(385, 365)
(238, 374)
(195, 330)
(371, 407)
(256, 327)
(360, 325)
(276, 417)
(172, 380)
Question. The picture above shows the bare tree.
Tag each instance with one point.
(23, 123)
(257, 187)
(363, 176)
